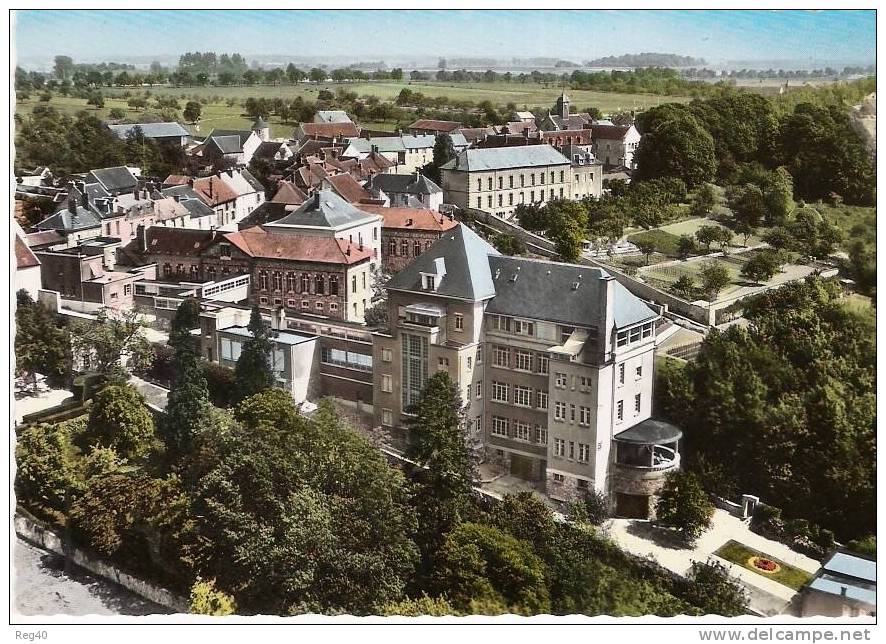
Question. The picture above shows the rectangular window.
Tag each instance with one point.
(571, 413)
(479, 388)
(387, 355)
(415, 367)
(637, 404)
(559, 478)
(499, 426)
(386, 383)
(127, 289)
(459, 322)
(470, 360)
(622, 339)
(480, 355)
(560, 410)
(639, 373)
(501, 356)
(571, 450)
(559, 447)
(561, 380)
(620, 411)
(521, 431)
(621, 373)
(584, 452)
(478, 424)
(635, 334)
(522, 327)
(523, 360)
(541, 399)
(541, 435)
(500, 391)
(387, 417)
(647, 330)
(522, 396)
(543, 362)
(584, 415)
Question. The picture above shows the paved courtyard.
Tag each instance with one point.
(45, 398)
(767, 596)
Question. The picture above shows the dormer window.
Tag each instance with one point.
(224, 250)
(430, 282)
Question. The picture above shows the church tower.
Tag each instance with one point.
(261, 128)
(562, 106)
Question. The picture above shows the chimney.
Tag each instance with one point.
(843, 591)
(409, 221)
(72, 205)
(210, 187)
(84, 198)
(142, 236)
(606, 307)
(191, 182)
(135, 193)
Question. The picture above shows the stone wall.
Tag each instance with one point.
(33, 531)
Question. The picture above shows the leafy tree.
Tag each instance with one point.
(779, 238)
(46, 466)
(41, 345)
(761, 267)
(254, 373)
(137, 103)
(683, 504)
(439, 443)
(707, 235)
(747, 204)
(205, 599)
(307, 517)
(117, 113)
(714, 277)
(444, 151)
(480, 562)
(864, 546)
(704, 201)
(646, 248)
(724, 237)
(684, 286)
(799, 380)
(112, 344)
(813, 235)
(715, 591)
(419, 607)
(192, 111)
(674, 144)
(119, 419)
(567, 227)
(97, 100)
(509, 245)
(685, 246)
(591, 508)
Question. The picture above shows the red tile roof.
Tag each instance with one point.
(176, 180)
(329, 130)
(44, 238)
(617, 132)
(166, 240)
(24, 257)
(213, 191)
(411, 218)
(258, 242)
(288, 193)
(579, 137)
(348, 188)
(435, 126)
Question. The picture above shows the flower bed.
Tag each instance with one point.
(760, 563)
(766, 565)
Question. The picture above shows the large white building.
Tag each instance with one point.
(554, 361)
(497, 180)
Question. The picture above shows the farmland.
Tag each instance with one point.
(218, 114)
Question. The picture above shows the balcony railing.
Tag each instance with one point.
(659, 458)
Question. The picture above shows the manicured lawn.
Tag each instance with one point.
(665, 242)
(739, 553)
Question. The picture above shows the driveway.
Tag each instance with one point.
(767, 596)
(42, 586)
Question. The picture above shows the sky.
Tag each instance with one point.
(717, 36)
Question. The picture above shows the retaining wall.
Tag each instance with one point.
(33, 531)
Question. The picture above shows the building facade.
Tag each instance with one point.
(554, 363)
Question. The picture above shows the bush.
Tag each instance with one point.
(593, 508)
(684, 505)
(118, 418)
(206, 600)
(220, 382)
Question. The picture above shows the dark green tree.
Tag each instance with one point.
(254, 372)
(715, 591)
(675, 144)
(714, 278)
(684, 505)
(118, 418)
(41, 344)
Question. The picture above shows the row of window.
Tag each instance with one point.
(349, 359)
(584, 413)
(523, 396)
(566, 449)
(620, 407)
(517, 430)
(305, 304)
(638, 373)
(634, 334)
(523, 360)
(320, 283)
(500, 199)
(501, 180)
(564, 380)
(417, 247)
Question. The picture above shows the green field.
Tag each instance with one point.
(217, 114)
(856, 222)
(739, 553)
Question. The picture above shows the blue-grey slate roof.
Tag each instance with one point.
(465, 257)
(846, 563)
(68, 222)
(150, 130)
(630, 309)
(834, 585)
(115, 180)
(324, 209)
(518, 156)
(403, 184)
(282, 337)
(650, 432)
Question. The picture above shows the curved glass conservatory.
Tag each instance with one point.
(643, 455)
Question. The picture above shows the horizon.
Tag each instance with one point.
(797, 37)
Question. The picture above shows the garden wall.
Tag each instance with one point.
(31, 530)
